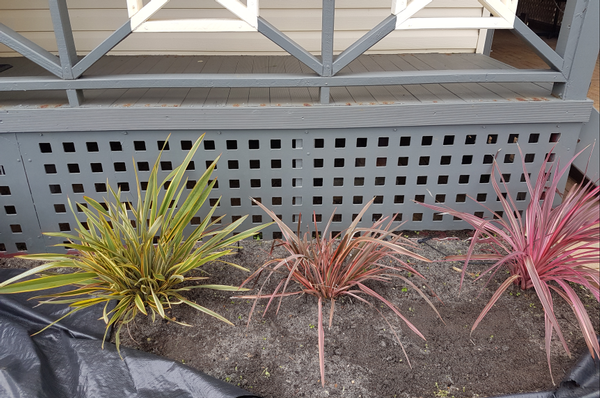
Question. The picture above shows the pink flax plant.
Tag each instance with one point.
(547, 249)
(331, 267)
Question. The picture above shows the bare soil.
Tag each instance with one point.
(276, 355)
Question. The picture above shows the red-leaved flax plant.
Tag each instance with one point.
(546, 249)
(331, 267)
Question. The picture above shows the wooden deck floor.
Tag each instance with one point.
(275, 97)
(509, 49)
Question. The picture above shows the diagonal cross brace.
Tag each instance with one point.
(30, 50)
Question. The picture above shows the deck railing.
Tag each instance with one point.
(571, 64)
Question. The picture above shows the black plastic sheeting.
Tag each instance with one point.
(583, 381)
(67, 360)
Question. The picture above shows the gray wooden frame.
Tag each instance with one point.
(571, 64)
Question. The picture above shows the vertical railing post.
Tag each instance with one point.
(578, 45)
(66, 46)
(327, 20)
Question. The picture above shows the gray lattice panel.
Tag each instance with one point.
(19, 228)
(297, 172)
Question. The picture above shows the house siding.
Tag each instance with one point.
(93, 21)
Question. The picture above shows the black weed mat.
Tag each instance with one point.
(67, 360)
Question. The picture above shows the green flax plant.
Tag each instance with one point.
(547, 249)
(332, 267)
(141, 265)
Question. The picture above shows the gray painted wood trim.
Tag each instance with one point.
(30, 50)
(489, 39)
(578, 43)
(371, 38)
(539, 46)
(281, 80)
(64, 36)
(283, 41)
(327, 20)
(111, 41)
(266, 118)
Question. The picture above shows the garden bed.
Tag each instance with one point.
(276, 355)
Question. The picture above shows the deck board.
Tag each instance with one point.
(280, 96)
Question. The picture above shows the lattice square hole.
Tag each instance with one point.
(440, 198)
(420, 198)
(461, 198)
(68, 147)
(297, 182)
(383, 141)
(296, 163)
(9, 210)
(275, 163)
(73, 168)
(319, 143)
(235, 202)
(360, 162)
(378, 200)
(186, 145)
(45, 147)
(422, 180)
(163, 145)
(339, 162)
(359, 181)
(513, 138)
(255, 183)
(417, 217)
(438, 217)
(254, 164)
(357, 200)
(403, 161)
(275, 144)
(231, 145)
(139, 145)
(209, 145)
(276, 182)
(379, 181)
(492, 138)
(534, 138)
(401, 180)
(255, 144)
(256, 218)
(317, 200)
(463, 179)
(338, 182)
(404, 141)
(50, 168)
(54, 189)
(337, 200)
(296, 200)
(16, 228)
(340, 142)
(297, 143)
(442, 180)
(481, 197)
(554, 137)
(361, 142)
(276, 201)
(116, 146)
(470, 139)
(426, 140)
(317, 182)
(234, 184)
(120, 166)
